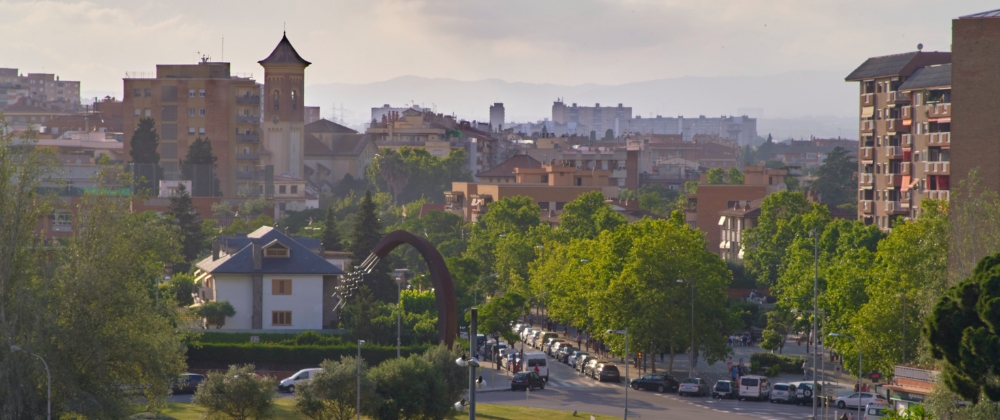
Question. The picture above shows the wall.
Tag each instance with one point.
(305, 302)
(238, 291)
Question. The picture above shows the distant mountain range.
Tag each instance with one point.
(794, 104)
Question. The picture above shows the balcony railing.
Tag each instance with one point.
(904, 168)
(894, 207)
(893, 180)
(246, 99)
(906, 112)
(893, 152)
(939, 110)
(868, 99)
(867, 126)
(866, 179)
(247, 156)
(867, 206)
(867, 153)
(937, 168)
(248, 138)
(907, 140)
(939, 138)
(247, 119)
(899, 97)
(896, 125)
(245, 175)
(938, 194)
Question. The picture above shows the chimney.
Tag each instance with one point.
(216, 247)
(286, 230)
(258, 255)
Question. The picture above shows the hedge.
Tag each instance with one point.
(261, 353)
(787, 364)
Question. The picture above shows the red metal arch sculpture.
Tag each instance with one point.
(444, 288)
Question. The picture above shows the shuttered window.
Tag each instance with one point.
(281, 287)
(281, 318)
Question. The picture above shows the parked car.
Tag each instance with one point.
(563, 351)
(724, 389)
(874, 411)
(864, 397)
(508, 360)
(186, 383)
(527, 381)
(288, 384)
(782, 392)
(551, 345)
(576, 356)
(804, 392)
(755, 387)
(534, 338)
(525, 333)
(543, 338)
(656, 382)
(693, 386)
(607, 371)
(589, 370)
(581, 365)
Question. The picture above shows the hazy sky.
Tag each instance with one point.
(557, 41)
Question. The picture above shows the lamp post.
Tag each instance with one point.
(902, 319)
(625, 333)
(472, 363)
(815, 328)
(400, 278)
(358, 409)
(47, 374)
(691, 362)
(816, 314)
(541, 250)
(522, 314)
(860, 365)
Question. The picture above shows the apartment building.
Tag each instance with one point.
(497, 115)
(808, 153)
(886, 124)
(42, 87)
(597, 118)
(204, 100)
(742, 129)
(977, 92)
(705, 206)
(927, 171)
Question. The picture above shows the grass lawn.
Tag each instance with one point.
(286, 410)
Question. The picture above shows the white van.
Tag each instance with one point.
(533, 360)
(756, 387)
(304, 375)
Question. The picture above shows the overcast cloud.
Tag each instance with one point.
(559, 41)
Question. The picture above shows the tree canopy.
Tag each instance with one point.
(411, 174)
(199, 167)
(836, 180)
(366, 233)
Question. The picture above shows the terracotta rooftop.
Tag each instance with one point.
(506, 168)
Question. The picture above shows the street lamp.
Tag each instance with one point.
(522, 315)
(47, 374)
(816, 314)
(815, 328)
(358, 409)
(691, 362)
(472, 363)
(400, 278)
(903, 321)
(625, 333)
(860, 366)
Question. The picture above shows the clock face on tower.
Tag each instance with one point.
(275, 119)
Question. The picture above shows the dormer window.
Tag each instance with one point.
(276, 250)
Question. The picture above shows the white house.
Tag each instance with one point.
(272, 280)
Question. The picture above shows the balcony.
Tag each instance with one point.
(248, 138)
(896, 125)
(893, 152)
(906, 112)
(899, 97)
(893, 207)
(939, 111)
(867, 153)
(937, 168)
(245, 175)
(248, 100)
(893, 180)
(938, 195)
(868, 99)
(907, 141)
(247, 119)
(866, 206)
(866, 179)
(247, 156)
(939, 138)
(867, 126)
(904, 168)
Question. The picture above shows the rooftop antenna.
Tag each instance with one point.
(920, 47)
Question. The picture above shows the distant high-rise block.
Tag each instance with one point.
(496, 116)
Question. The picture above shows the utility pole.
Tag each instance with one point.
(815, 329)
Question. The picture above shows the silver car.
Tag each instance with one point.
(782, 392)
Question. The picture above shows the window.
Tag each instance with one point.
(294, 103)
(201, 112)
(277, 97)
(62, 221)
(295, 189)
(147, 92)
(190, 131)
(276, 251)
(281, 287)
(201, 130)
(190, 112)
(281, 189)
(138, 112)
(149, 112)
(579, 181)
(137, 93)
(281, 318)
(545, 179)
(190, 93)
(201, 93)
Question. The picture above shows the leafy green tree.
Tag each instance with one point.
(411, 174)
(765, 244)
(497, 317)
(653, 203)
(391, 169)
(217, 312)
(409, 388)
(238, 394)
(180, 287)
(332, 393)
(142, 149)
(183, 215)
(503, 217)
(331, 236)
(836, 180)
(199, 167)
(715, 176)
(609, 135)
(467, 275)
(588, 215)
(366, 233)
(974, 217)
(734, 176)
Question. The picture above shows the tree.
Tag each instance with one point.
(142, 149)
(180, 287)
(734, 176)
(238, 394)
(497, 317)
(182, 214)
(366, 233)
(331, 236)
(593, 135)
(410, 388)
(216, 312)
(411, 174)
(506, 216)
(588, 215)
(332, 393)
(715, 176)
(836, 180)
(765, 244)
(199, 167)
(609, 135)
(391, 169)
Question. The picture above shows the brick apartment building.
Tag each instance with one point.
(888, 142)
(44, 88)
(975, 64)
(596, 118)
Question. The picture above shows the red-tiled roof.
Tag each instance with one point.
(507, 167)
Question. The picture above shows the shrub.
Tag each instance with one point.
(787, 364)
(238, 394)
(332, 392)
(216, 312)
(773, 371)
(409, 388)
(261, 353)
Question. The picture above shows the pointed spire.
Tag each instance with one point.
(285, 53)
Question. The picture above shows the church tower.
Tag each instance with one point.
(284, 114)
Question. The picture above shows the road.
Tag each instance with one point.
(567, 390)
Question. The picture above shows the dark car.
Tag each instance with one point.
(186, 383)
(656, 382)
(526, 380)
(724, 389)
(607, 371)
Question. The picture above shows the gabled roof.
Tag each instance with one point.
(324, 125)
(314, 146)
(285, 53)
(301, 260)
(897, 64)
(926, 77)
(506, 168)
